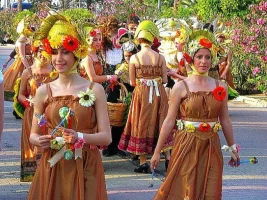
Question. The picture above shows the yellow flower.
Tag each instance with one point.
(217, 127)
(46, 55)
(55, 42)
(190, 128)
(81, 52)
(37, 43)
(53, 74)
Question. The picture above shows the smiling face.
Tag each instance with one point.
(62, 60)
(97, 42)
(127, 56)
(202, 60)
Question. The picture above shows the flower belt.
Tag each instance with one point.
(151, 83)
(191, 127)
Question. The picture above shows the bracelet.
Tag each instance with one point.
(232, 148)
(80, 135)
(109, 77)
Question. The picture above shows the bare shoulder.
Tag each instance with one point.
(179, 89)
(223, 84)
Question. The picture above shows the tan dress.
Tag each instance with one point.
(196, 165)
(16, 68)
(28, 154)
(97, 66)
(145, 119)
(81, 179)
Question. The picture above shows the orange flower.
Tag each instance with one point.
(219, 93)
(70, 43)
(204, 127)
(205, 43)
(187, 58)
(47, 46)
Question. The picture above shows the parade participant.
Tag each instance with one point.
(25, 89)
(80, 106)
(132, 23)
(11, 56)
(200, 104)
(23, 58)
(149, 103)
(91, 67)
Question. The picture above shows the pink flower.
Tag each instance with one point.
(79, 143)
(256, 70)
(260, 21)
(247, 62)
(264, 58)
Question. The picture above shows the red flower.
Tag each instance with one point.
(70, 43)
(205, 43)
(182, 63)
(133, 15)
(219, 93)
(93, 33)
(205, 127)
(188, 58)
(34, 49)
(47, 46)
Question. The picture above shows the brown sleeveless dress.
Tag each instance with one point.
(196, 165)
(145, 119)
(97, 66)
(15, 70)
(28, 155)
(81, 179)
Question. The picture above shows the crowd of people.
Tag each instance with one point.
(59, 80)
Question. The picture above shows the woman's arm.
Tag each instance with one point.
(164, 70)
(227, 127)
(23, 86)
(90, 70)
(132, 74)
(21, 47)
(177, 93)
(36, 138)
(228, 64)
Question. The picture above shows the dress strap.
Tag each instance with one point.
(186, 87)
(30, 70)
(91, 85)
(49, 92)
(159, 61)
(217, 82)
(137, 60)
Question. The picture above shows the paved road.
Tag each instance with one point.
(249, 182)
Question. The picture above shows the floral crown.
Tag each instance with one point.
(57, 31)
(203, 39)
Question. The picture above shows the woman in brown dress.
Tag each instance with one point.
(148, 72)
(80, 105)
(31, 78)
(23, 58)
(200, 104)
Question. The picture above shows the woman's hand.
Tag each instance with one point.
(69, 135)
(44, 141)
(234, 160)
(154, 161)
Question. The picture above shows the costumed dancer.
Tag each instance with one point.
(132, 23)
(23, 59)
(1, 108)
(73, 111)
(225, 65)
(149, 103)
(39, 73)
(200, 105)
(91, 67)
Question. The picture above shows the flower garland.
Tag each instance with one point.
(202, 127)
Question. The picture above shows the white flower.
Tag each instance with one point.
(87, 98)
(193, 46)
(180, 125)
(60, 140)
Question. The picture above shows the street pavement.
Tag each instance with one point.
(248, 182)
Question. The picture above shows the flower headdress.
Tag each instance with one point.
(147, 30)
(200, 39)
(57, 31)
(23, 27)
